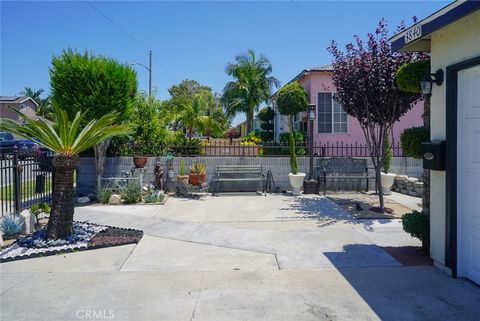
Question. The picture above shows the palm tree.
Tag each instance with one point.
(66, 139)
(44, 108)
(34, 94)
(194, 115)
(252, 85)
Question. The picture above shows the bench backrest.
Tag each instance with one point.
(240, 170)
(342, 165)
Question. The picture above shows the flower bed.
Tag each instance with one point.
(86, 236)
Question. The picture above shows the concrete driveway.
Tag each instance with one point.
(236, 258)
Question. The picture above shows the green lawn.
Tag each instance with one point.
(27, 190)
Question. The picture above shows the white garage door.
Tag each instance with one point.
(468, 174)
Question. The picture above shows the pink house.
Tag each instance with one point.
(332, 124)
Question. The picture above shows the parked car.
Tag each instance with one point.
(8, 143)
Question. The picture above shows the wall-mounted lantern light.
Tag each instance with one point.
(428, 80)
(311, 112)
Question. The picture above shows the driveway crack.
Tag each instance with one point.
(198, 298)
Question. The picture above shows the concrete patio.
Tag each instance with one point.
(237, 257)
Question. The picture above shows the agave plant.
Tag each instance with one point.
(66, 139)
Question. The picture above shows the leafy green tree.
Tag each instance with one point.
(94, 85)
(67, 139)
(194, 115)
(181, 95)
(266, 116)
(253, 85)
(291, 100)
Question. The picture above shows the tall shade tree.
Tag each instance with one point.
(364, 75)
(252, 86)
(291, 100)
(181, 95)
(95, 85)
(66, 139)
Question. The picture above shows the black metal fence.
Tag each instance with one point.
(240, 149)
(26, 178)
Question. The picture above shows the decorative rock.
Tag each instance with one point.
(115, 200)
(413, 193)
(401, 178)
(413, 179)
(29, 221)
(83, 200)
(418, 184)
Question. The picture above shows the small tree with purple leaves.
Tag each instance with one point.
(364, 75)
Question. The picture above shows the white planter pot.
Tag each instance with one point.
(296, 181)
(387, 182)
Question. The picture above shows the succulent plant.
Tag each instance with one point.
(11, 225)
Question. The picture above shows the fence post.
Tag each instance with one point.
(17, 169)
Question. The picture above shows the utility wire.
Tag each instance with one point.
(131, 37)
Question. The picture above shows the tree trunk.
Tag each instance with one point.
(378, 175)
(100, 154)
(249, 122)
(61, 215)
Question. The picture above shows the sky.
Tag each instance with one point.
(189, 40)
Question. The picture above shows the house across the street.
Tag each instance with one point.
(25, 104)
(332, 124)
(452, 35)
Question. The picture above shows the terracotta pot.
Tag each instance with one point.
(140, 161)
(197, 179)
(182, 178)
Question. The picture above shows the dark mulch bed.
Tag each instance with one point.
(114, 236)
(409, 255)
(110, 236)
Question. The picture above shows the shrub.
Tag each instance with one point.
(104, 195)
(417, 224)
(39, 208)
(252, 138)
(131, 193)
(11, 225)
(154, 197)
(412, 139)
(410, 75)
(298, 136)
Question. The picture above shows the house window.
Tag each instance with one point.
(23, 106)
(331, 116)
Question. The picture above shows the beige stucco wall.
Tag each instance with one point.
(455, 43)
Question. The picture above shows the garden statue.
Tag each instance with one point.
(158, 171)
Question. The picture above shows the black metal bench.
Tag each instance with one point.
(342, 168)
(238, 173)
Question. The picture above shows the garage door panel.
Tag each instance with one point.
(472, 204)
(473, 266)
(472, 143)
(472, 85)
(468, 172)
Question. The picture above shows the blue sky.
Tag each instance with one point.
(193, 40)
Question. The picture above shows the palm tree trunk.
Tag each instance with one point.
(61, 215)
(249, 121)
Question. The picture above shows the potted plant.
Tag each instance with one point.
(140, 161)
(386, 177)
(182, 177)
(197, 174)
(291, 100)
